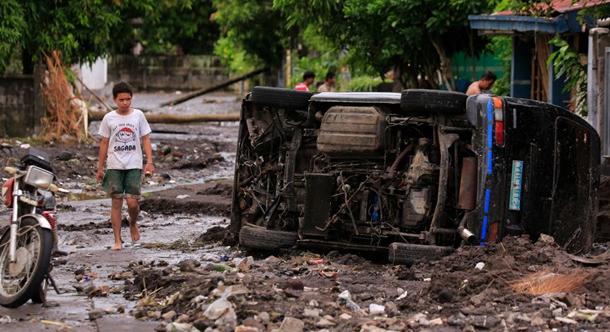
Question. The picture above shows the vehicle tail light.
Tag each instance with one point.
(51, 218)
(7, 192)
(498, 121)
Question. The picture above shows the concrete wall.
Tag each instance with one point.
(189, 72)
(18, 116)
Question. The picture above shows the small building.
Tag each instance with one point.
(531, 76)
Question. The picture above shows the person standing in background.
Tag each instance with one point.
(308, 78)
(329, 83)
(483, 85)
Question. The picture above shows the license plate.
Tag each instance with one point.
(515, 186)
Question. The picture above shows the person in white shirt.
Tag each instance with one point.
(124, 132)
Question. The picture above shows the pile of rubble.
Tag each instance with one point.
(515, 284)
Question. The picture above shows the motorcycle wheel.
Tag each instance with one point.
(34, 245)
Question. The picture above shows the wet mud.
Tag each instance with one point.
(470, 290)
(210, 198)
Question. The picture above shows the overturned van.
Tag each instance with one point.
(412, 175)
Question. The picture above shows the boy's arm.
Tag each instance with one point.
(149, 168)
(102, 158)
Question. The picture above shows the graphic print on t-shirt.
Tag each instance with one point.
(126, 136)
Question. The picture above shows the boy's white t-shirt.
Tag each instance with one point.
(124, 133)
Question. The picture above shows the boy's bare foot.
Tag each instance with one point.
(117, 246)
(135, 231)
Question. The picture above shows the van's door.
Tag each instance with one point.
(574, 199)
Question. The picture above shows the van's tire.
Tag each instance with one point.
(282, 98)
(265, 239)
(407, 253)
(420, 101)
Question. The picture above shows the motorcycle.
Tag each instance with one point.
(27, 246)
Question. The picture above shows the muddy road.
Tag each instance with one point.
(188, 195)
(182, 277)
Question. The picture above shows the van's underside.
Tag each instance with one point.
(364, 178)
(414, 174)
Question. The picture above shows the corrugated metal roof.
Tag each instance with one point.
(560, 6)
(519, 23)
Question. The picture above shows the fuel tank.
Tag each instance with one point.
(349, 130)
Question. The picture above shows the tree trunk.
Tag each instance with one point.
(445, 68)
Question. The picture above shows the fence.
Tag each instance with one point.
(162, 72)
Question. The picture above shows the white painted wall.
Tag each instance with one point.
(96, 75)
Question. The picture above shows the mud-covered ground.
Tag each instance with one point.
(182, 277)
(514, 285)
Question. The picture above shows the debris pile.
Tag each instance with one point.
(66, 114)
(515, 284)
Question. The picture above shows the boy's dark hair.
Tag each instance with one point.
(330, 75)
(489, 76)
(120, 88)
(308, 74)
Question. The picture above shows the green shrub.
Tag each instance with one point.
(364, 83)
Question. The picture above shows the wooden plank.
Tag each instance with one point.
(216, 87)
(174, 118)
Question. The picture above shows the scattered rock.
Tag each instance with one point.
(391, 308)
(290, 324)
(313, 313)
(244, 264)
(213, 234)
(180, 327)
(345, 316)
(222, 312)
(295, 284)
(376, 309)
(547, 239)
(93, 290)
(189, 265)
(244, 328)
(96, 313)
(324, 322)
(169, 316)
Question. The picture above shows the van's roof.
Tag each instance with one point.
(357, 97)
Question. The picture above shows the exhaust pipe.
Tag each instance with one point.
(467, 235)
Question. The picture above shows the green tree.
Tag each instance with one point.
(83, 30)
(12, 24)
(414, 38)
(252, 33)
(168, 26)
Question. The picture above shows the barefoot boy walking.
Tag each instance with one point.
(124, 132)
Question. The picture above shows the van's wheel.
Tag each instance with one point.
(265, 239)
(407, 253)
(278, 97)
(433, 101)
